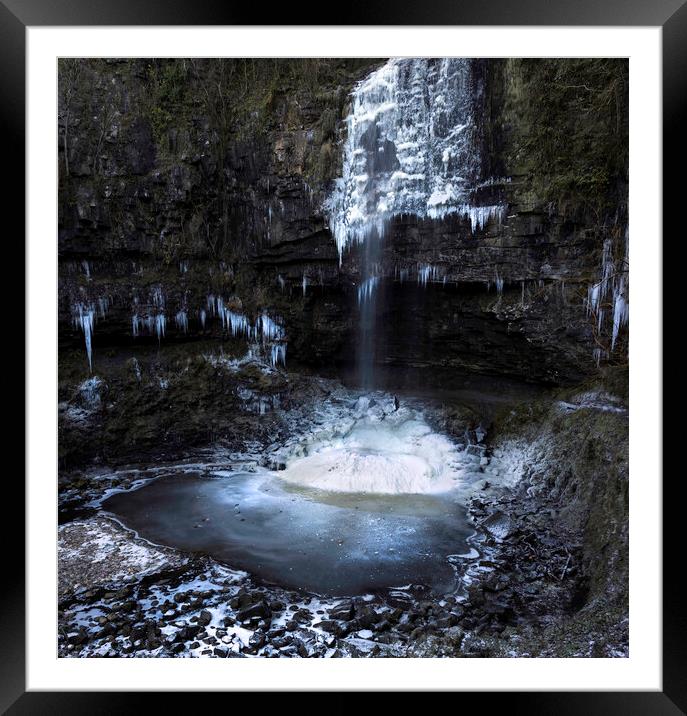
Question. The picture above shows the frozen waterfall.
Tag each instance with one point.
(411, 148)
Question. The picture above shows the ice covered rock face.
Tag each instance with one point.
(411, 148)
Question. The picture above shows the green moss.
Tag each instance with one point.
(569, 122)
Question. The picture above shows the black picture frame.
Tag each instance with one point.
(17, 15)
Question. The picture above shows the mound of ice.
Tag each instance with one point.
(395, 454)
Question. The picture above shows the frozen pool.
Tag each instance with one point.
(368, 500)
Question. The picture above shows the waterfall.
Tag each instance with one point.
(411, 148)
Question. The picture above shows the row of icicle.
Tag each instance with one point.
(266, 329)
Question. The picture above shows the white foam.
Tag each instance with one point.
(395, 455)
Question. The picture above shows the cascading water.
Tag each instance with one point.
(411, 148)
(367, 305)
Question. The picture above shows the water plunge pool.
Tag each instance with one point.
(372, 498)
(325, 542)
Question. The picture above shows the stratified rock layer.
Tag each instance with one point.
(168, 195)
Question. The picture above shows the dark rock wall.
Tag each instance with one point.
(208, 176)
(577, 468)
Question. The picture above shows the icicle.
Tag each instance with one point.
(182, 321)
(238, 324)
(305, 283)
(593, 295)
(610, 289)
(271, 333)
(268, 329)
(160, 322)
(84, 319)
(599, 354)
(103, 306)
(424, 273)
(278, 354)
(621, 311)
(499, 283)
(202, 315)
(158, 298)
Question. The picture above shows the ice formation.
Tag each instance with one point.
(378, 452)
(84, 318)
(266, 332)
(103, 306)
(219, 308)
(621, 311)
(278, 354)
(160, 322)
(155, 321)
(411, 148)
(609, 296)
(272, 335)
(182, 321)
(498, 280)
(157, 297)
(153, 324)
(238, 324)
(427, 273)
(268, 329)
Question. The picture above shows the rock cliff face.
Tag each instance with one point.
(185, 179)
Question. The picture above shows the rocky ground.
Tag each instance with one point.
(546, 575)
